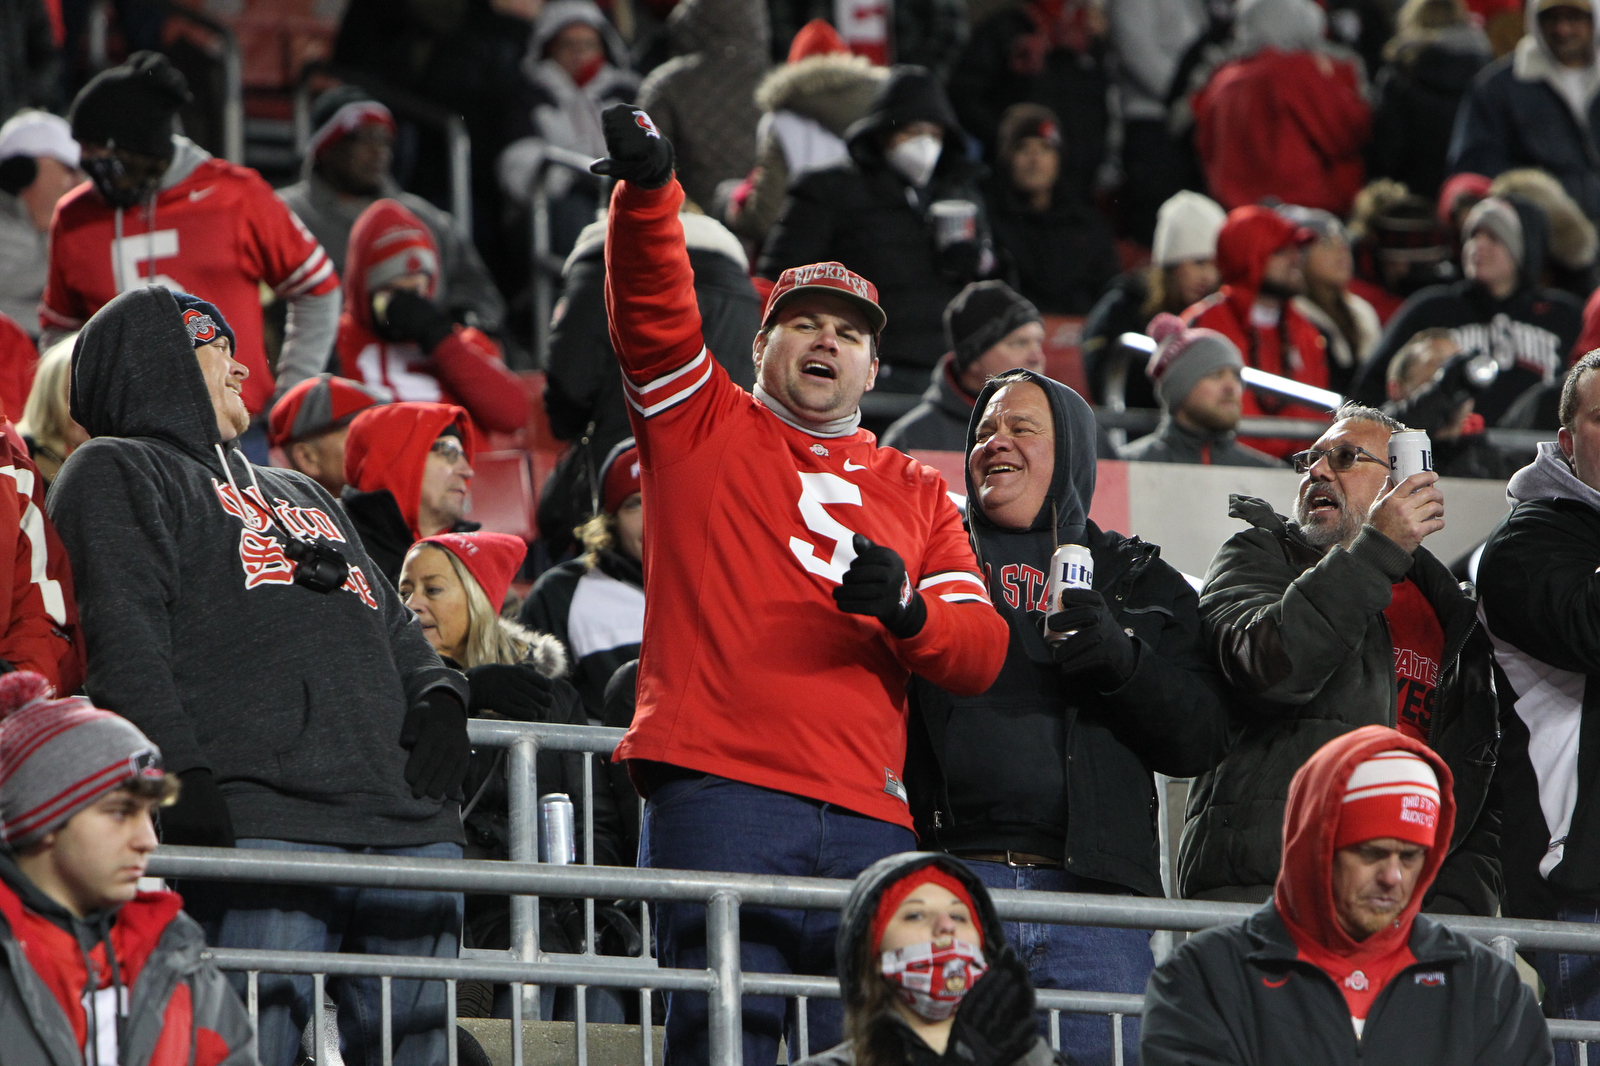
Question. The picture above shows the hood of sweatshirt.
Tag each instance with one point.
(1287, 25)
(388, 446)
(1063, 519)
(557, 16)
(855, 921)
(732, 27)
(1249, 236)
(1304, 891)
(1549, 477)
(909, 94)
(384, 226)
(134, 374)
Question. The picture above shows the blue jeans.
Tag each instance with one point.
(377, 921)
(1571, 982)
(1082, 958)
(711, 823)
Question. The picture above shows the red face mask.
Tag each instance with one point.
(932, 977)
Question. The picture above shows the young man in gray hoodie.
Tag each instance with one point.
(289, 689)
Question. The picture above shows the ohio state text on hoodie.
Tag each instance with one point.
(196, 631)
(1268, 991)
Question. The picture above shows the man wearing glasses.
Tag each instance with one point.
(1334, 620)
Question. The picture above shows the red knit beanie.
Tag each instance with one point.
(619, 479)
(1393, 794)
(895, 894)
(492, 559)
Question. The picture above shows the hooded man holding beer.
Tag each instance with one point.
(1338, 619)
(1044, 781)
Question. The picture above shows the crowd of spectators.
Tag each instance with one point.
(249, 538)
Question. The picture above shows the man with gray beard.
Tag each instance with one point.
(1336, 620)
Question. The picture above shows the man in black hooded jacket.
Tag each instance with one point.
(298, 717)
(1045, 780)
(1499, 308)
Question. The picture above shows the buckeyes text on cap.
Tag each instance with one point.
(835, 279)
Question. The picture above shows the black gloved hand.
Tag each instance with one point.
(1099, 648)
(517, 691)
(413, 317)
(876, 585)
(995, 1024)
(200, 817)
(960, 261)
(635, 150)
(435, 732)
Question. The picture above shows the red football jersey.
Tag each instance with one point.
(748, 668)
(220, 234)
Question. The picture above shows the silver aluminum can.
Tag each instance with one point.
(1410, 452)
(1071, 567)
(558, 842)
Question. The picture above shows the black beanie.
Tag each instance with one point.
(131, 106)
(204, 322)
(980, 317)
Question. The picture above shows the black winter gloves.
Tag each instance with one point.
(995, 1023)
(876, 585)
(200, 817)
(412, 317)
(517, 691)
(1099, 648)
(635, 150)
(435, 732)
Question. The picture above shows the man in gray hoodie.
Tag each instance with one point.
(236, 619)
(1541, 602)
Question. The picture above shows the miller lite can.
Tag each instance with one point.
(1071, 567)
(557, 839)
(1410, 452)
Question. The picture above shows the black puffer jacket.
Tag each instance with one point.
(864, 215)
(1061, 257)
(1041, 762)
(1302, 639)
(855, 925)
(1416, 99)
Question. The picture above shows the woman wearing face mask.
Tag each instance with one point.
(875, 214)
(926, 975)
(451, 581)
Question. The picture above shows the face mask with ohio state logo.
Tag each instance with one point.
(933, 976)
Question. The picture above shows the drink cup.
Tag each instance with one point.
(954, 222)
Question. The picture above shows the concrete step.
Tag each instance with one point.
(551, 1043)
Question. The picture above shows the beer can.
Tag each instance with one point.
(1410, 452)
(1071, 567)
(557, 836)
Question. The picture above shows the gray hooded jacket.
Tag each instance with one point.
(196, 631)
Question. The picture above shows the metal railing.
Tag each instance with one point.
(545, 266)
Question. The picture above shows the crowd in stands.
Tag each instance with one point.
(250, 606)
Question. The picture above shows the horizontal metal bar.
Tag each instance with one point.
(426, 969)
(1561, 1029)
(499, 733)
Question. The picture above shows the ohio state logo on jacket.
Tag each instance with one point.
(261, 549)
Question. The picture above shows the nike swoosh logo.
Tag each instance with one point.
(1276, 984)
(201, 194)
(858, 466)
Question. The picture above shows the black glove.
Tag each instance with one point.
(1099, 648)
(995, 1023)
(518, 691)
(876, 585)
(959, 262)
(635, 150)
(412, 317)
(200, 817)
(435, 732)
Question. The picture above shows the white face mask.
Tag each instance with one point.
(914, 159)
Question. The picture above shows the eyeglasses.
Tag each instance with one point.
(449, 449)
(1341, 457)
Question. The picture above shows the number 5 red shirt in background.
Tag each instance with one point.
(748, 668)
(219, 233)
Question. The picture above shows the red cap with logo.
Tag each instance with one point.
(317, 405)
(835, 279)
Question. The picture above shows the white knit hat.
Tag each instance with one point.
(39, 133)
(1186, 228)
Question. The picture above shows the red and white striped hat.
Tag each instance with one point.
(1393, 794)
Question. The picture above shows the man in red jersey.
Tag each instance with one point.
(158, 209)
(797, 576)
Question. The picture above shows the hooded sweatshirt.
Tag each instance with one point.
(177, 1010)
(464, 368)
(1286, 343)
(385, 454)
(197, 632)
(1042, 762)
(1530, 333)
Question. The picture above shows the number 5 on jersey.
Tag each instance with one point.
(816, 490)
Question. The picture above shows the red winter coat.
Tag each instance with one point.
(18, 361)
(1284, 124)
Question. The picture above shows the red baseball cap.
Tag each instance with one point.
(835, 279)
(317, 405)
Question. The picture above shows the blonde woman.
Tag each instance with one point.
(46, 423)
(454, 582)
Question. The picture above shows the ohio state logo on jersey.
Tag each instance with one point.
(202, 328)
(261, 548)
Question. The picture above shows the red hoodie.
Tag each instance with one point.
(388, 446)
(466, 368)
(1250, 235)
(1304, 892)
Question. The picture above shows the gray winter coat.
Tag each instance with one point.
(1301, 638)
(1171, 443)
(939, 422)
